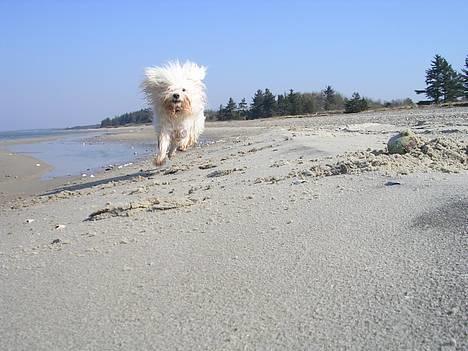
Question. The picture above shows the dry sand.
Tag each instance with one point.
(288, 233)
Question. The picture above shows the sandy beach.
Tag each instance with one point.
(281, 233)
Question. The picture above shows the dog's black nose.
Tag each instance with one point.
(175, 96)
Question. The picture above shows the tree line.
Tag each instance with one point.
(443, 83)
(138, 117)
(265, 104)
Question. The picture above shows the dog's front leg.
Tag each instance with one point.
(172, 150)
(164, 141)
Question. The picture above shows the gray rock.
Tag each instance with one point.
(403, 142)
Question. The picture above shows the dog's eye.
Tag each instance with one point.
(183, 89)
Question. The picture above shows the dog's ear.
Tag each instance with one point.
(194, 72)
(155, 78)
(154, 84)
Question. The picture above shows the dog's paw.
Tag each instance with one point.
(172, 154)
(159, 161)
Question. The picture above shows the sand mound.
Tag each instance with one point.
(440, 154)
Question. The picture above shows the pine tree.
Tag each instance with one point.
(329, 96)
(269, 104)
(282, 105)
(243, 109)
(230, 111)
(444, 84)
(452, 86)
(294, 101)
(434, 79)
(465, 78)
(355, 104)
(256, 107)
(221, 113)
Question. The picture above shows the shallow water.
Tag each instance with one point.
(73, 155)
(33, 133)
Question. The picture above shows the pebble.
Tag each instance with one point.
(219, 173)
(298, 181)
(207, 166)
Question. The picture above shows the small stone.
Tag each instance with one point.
(219, 173)
(60, 226)
(29, 220)
(298, 181)
(344, 169)
(171, 171)
(56, 241)
(207, 166)
(452, 311)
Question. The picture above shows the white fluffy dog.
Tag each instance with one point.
(177, 94)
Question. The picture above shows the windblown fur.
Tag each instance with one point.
(176, 93)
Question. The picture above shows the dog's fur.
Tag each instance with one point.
(177, 95)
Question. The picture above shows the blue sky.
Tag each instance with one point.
(66, 63)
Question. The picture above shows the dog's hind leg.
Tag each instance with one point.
(183, 145)
(164, 142)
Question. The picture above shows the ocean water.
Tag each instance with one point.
(72, 154)
(33, 133)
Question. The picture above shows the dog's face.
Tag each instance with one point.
(177, 89)
(177, 100)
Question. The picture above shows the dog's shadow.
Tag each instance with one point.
(89, 185)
